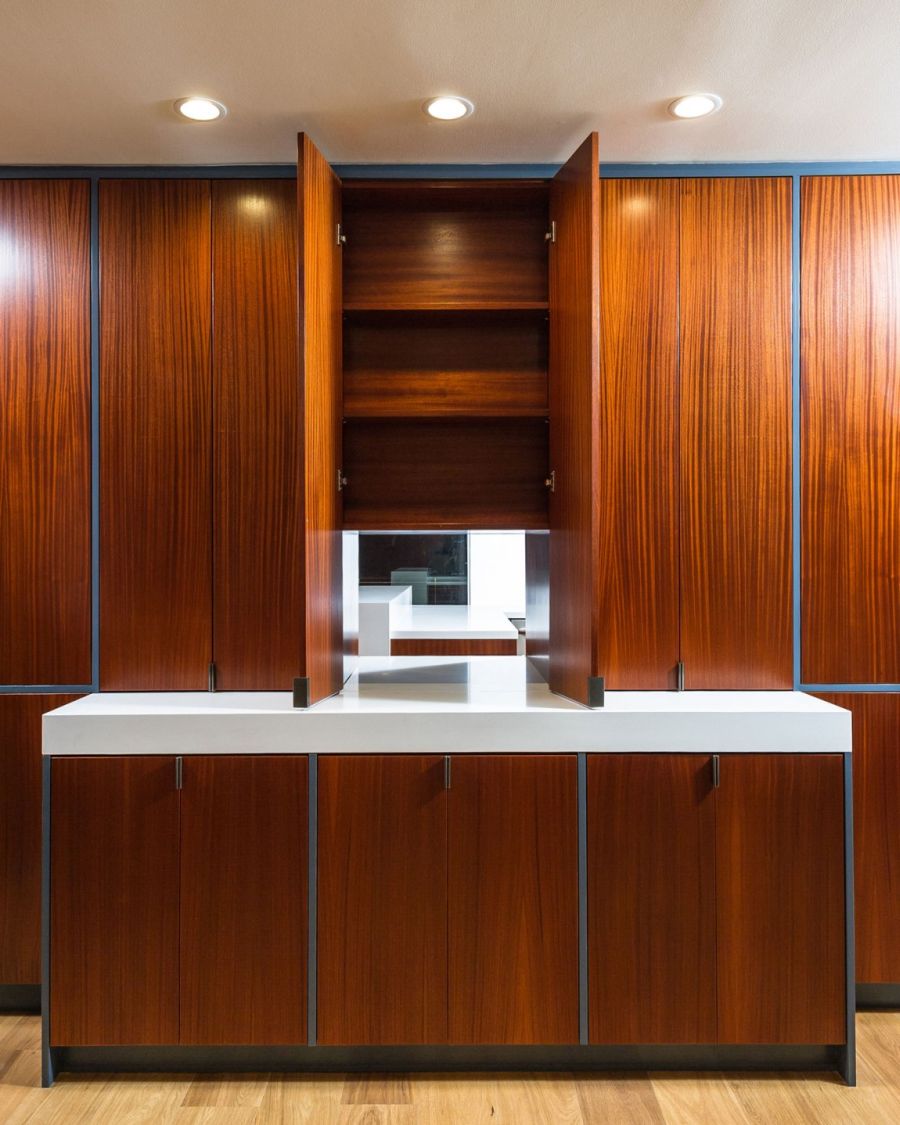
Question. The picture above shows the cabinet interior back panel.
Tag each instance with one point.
(45, 500)
(850, 339)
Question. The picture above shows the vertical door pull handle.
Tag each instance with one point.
(447, 774)
(179, 773)
(716, 771)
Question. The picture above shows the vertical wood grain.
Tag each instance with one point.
(319, 198)
(114, 901)
(156, 431)
(638, 634)
(780, 899)
(45, 486)
(735, 433)
(243, 900)
(258, 442)
(850, 448)
(513, 899)
(574, 421)
(382, 912)
(20, 834)
(651, 898)
(876, 815)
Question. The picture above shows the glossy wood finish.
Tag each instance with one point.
(319, 200)
(575, 422)
(513, 848)
(876, 814)
(735, 433)
(445, 365)
(156, 435)
(114, 901)
(780, 899)
(243, 899)
(465, 475)
(651, 898)
(850, 447)
(433, 244)
(435, 646)
(45, 498)
(638, 638)
(20, 834)
(382, 927)
(258, 433)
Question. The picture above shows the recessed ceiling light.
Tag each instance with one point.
(448, 109)
(200, 109)
(695, 105)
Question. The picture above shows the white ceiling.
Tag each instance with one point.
(92, 81)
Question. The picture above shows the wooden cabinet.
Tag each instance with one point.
(45, 399)
(850, 419)
(20, 834)
(448, 900)
(114, 901)
(716, 914)
(243, 899)
(876, 807)
(513, 899)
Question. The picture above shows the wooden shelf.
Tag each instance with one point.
(387, 412)
(445, 306)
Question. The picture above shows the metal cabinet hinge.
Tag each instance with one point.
(550, 236)
(341, 480)
(339, 237)
(447, 771)
(716, 771)
(679, 676)
(550, 482)
(211, 683)
(179, 773)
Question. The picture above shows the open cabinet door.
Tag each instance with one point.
(319, 199)
(574, 424)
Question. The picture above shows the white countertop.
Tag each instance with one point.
(465, 705)
(450, 622)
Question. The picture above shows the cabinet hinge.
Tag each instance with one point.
(679, 676)
(341, 480)
(447, 771)
(550, 482)
(550, 236)
(716, 771)
(211, 684)
(339, 237)
(179, 773)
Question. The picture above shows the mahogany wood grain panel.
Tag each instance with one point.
(651, 898)
(382, 908)
(513, 898)
(735, 433)
(436, 646)
(45, 433)
(780, 899)
(243, 899)
(465, 474)
(638, 637)
(442, 245)
(258, 443)
(114, 901)
(156, 435)
(876, 814)
(20, 834)
(575, 422)
(850, 448)
(445, 364)
(319, 199)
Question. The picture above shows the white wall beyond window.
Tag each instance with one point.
(497, 571)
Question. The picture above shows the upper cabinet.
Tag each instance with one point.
(45, 405)
(850, 448)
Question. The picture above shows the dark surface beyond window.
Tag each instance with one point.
(436, 565)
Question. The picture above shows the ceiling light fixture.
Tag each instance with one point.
(695, 105)
(200, 109)
(448, 108)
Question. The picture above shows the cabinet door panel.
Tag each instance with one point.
(156, 432)
(243, 900)
(876, 814)
(850, 448)
(780, 899)
(513, 899)
(382, 906)
(651, 898)
(257, 405)
(20, 834)
(45, 500)
(735, 433)
(114, 902)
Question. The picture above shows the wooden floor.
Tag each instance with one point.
(560, 1099)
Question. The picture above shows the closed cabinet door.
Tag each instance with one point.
(780, 899)
(244, 841)
(114, 902)
(382, 900)
(513, 899)
(651, 898)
